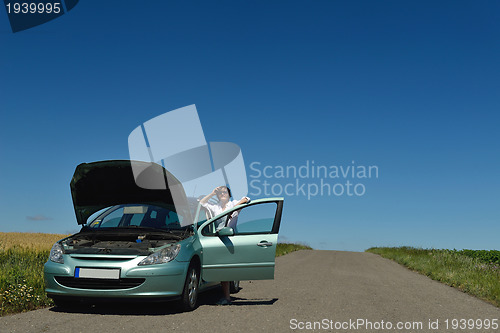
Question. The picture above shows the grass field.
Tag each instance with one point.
(22, 256)
(474, 272)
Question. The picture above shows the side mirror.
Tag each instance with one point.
(226, 231)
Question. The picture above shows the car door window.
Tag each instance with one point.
(256, 219)
(252, 219)
(203, 216)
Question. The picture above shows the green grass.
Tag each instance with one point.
(285, 248)
(474, 272)
(488, 257)
(21, 280)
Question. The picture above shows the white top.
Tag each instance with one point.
(217, 209)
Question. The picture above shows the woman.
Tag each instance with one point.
(223, 194)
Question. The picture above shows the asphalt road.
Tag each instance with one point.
(331, 288)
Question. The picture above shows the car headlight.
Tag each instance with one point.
(164, 255)
(56, 253)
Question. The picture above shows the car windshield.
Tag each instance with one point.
(138, 216)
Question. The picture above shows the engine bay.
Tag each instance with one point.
(123, 243)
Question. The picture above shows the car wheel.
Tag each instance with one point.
(234, 287)
(189, 298)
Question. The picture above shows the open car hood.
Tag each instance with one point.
(99, 185)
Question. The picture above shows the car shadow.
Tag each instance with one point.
(207, 298)
(211, 298)
(115, 308)
(254, 301)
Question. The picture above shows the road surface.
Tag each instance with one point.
(328, 291)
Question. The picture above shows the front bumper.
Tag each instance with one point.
(160, 281)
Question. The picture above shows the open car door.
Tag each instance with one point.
(240, 244)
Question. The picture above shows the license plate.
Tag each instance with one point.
(97, 273)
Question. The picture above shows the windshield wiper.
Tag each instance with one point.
(151, 229)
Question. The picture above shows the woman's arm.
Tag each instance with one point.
(244, 200)
(206, 198)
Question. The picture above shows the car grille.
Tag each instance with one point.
(104, 258)
(86, 283)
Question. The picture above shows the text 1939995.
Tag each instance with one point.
(33, 7)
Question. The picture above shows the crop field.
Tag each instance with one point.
(35, 241)
(22, 256)
(476, 272)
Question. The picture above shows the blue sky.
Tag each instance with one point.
(411, 87)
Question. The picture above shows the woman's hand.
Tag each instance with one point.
(205, 199)
(217, 190)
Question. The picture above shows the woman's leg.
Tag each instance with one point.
(225, 289)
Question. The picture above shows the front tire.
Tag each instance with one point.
(189, 298)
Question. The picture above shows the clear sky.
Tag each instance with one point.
(412, 88)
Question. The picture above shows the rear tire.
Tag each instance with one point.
(234, 287)
(189, 298)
